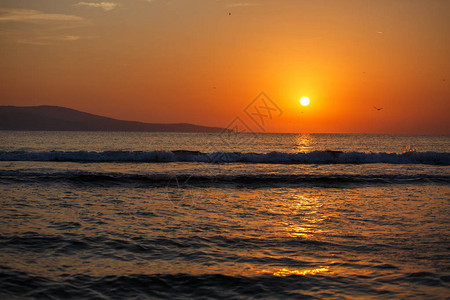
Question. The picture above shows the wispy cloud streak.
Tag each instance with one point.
(49, 40)
(242, 4)
(34, 16)
(104, 5)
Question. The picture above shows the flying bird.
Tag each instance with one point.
(378, 108)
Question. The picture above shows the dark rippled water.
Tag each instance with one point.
(344, 222)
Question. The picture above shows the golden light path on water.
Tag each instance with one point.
(304, 142)
(288, 272)
(309, 207)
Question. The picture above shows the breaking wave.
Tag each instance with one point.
(190, 180)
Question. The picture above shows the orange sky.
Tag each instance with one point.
(191, 61)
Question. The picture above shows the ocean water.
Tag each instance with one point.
(120, 215)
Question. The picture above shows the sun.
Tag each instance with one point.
(304, 101)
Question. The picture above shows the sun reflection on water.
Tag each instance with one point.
(306, 212)
(304, 142)
(283, 272)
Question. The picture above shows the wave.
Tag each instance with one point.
(177, 180)
(272, 276)
(15, 285)
(315, 157)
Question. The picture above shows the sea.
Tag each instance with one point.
(139, 215)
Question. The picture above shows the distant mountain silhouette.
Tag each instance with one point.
(56, 118)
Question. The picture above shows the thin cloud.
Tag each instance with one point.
(103, 5)
(69, 38)
(34, 16)
(49, 40)
(242, 4)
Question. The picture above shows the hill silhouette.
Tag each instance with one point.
(56, 118)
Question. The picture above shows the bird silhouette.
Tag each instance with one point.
(378, 108)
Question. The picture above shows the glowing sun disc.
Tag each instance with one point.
(304, 101)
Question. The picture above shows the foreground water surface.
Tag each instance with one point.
(327, 227)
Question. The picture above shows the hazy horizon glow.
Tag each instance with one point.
(204, 62)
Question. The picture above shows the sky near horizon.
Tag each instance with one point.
(205, 62)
